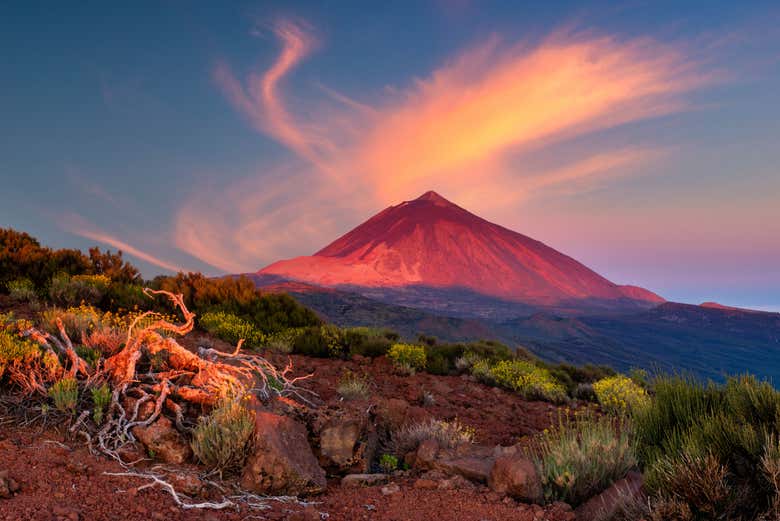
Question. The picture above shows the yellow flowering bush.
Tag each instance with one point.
(620, 394)
(15, 351)
(528, 379)
(231, 328)
(408, 357)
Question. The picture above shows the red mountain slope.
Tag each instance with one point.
(432, 242)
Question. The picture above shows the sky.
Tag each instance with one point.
(642, 140)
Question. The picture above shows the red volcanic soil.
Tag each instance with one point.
(432, 242)
(61, 480)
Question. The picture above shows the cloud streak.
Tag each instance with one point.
(77, 225)
(465, 129)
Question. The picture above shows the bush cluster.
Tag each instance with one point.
(231, 328)
(526, 378)
(408, 358)
(708, 448)
(619, 394)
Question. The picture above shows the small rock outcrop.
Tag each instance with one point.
(363, 480)
(282, 461)
(163, 441)
(516, 476)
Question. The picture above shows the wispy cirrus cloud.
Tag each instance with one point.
(77, 225)
(464, 129)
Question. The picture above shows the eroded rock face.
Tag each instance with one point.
(516, 476)
(163, 441)
(282, 462)
(348, 444)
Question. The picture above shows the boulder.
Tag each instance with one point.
(163, 441)
(347, 443)
(282, 462)
(516, 476)
(473, 468)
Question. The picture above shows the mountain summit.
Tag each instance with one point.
(432, 242)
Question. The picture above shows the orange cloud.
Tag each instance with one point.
(464, 130)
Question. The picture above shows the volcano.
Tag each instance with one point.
(430, 242)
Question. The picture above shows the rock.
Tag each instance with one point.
(163, 441)
(338, 441)
(8, 485)
(426, 484)
(456, 482)
(363, 480)
(425, 457)
(516, 476)
(190, 484)
(475, 469)
(393, 488)
(604, 505)
(282, 462)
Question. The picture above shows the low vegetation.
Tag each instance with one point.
(620, 394)
(447, 434)
(579, 458)
(232, 328)
(408, 358)
(352, 386)
(221, 440)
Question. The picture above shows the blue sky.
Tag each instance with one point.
(163, 128)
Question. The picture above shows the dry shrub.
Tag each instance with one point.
(448, 434)
(627, 506)
(352, 386)
(106, 340)
(221, 440)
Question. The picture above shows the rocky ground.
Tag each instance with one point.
(47, 474)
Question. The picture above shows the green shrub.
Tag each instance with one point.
(353, 387)
(124, 297)
(231, 328)
(619, 394)
(16, 351)
(283, 341)
(719, 431)
(22, 291)
(320, 341)
(366, 341)
(65, 394)
(408, 357)
(578, 459)
(66, 290)
(388, 463)
(75, 320)
(101, 398)
(88, 354)
(222, 439)
(270, 313)
(528, 380)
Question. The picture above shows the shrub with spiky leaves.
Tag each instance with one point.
(222, 439)
(579, 458)
(65, 394)
(101, 398)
